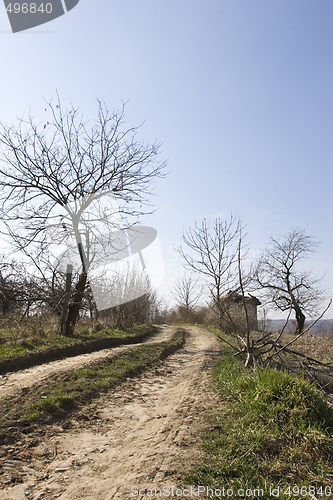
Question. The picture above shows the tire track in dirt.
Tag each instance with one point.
(143, 436)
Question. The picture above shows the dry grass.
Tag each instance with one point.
(320, 348)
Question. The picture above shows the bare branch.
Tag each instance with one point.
(302, 332)
(283, 283)
(55, 174)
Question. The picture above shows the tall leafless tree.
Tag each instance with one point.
(213, 254)
(187, 292)
(284, 283)
(55, 174)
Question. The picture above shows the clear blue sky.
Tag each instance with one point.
(238, 91)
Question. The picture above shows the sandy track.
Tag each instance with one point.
(143, 436)
(13, 382)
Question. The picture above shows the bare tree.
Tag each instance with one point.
(187, 292)
(54, 175)
(213, 254)
(18, 290)
(11, 285)
(284, 283)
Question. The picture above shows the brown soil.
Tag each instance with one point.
(12, 383)
(144, 436)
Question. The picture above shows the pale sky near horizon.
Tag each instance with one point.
(239, 92)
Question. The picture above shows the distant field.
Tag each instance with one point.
(324, 327)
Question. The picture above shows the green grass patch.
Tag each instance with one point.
(276, 432)
(50, 405)
(58, 398)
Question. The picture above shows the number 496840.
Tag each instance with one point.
(29, 8)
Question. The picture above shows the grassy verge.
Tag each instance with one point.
(37, 334)
(275, 434)
(57, 399)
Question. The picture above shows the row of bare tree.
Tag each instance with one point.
(216, 253)
(25, 293)
(68, 187)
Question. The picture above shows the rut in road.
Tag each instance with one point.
(143, 436)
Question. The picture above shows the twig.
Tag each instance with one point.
(242, 340)
(285, 325)
(221, 338)
(258, 341)
(290, 351)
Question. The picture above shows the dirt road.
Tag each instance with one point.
(142, 437)
(13, 382)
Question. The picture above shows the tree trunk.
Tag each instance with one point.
(5, 306)
(250, 356)
(300, 318)
(74, 308)
(66, 300)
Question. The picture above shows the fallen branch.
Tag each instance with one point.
(224, 340)
(302, 333)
